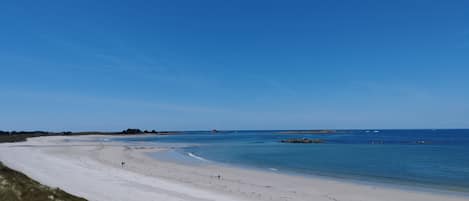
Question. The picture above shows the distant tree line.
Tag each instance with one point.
(17, 136)
(24, 132)
(127, 131)
(137, 131)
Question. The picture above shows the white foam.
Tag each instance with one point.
(197, 157)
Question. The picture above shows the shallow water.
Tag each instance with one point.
(428, 158)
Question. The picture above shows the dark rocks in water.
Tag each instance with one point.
(302, 140)
(168, 132)
(308, 132)
(318, 141)
(423, 142)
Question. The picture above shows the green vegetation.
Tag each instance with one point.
(132, 131)
(16, 137)
(15, 186)
(23, 135)
(19, 136)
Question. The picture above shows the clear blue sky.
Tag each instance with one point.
(184, 65)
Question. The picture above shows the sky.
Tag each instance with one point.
(200, 65)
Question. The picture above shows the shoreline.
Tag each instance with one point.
(406, 185)
(93, 170)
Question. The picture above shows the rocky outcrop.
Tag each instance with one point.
(308, 132)
(302, 140)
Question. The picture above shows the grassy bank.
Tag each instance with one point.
(17, 137)
(15, 186)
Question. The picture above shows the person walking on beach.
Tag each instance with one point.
(122, 163)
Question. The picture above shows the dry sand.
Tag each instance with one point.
(82, 166)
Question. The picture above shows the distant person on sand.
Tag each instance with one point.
(122, 163)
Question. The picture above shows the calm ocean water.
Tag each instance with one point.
(425, 158)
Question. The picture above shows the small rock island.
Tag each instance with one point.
(308, 132)
(302, 140)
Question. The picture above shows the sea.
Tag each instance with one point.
(428, 159)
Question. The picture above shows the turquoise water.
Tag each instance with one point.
(426, 158)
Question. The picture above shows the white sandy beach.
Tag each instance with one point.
(93, 170)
